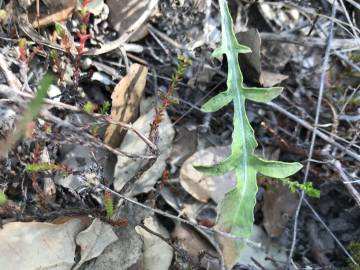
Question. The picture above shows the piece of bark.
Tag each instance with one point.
(125, 102)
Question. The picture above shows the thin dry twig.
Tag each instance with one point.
(10, 92)
(51, 118)
(309, 41)
(316, 131)
(346, 180)
(10, 77)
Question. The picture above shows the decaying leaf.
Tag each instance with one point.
(157, 253)
(279, 205)
(126, 252)
(127, 167)
(193, 242)
(250, 63)
(269, 254)
(36, 245)
(202, 186)
(185, 144)
(94, 240)
(269, 79)
(125, 102)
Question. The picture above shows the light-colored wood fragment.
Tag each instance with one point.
(125, 102)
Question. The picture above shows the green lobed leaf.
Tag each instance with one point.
(235, 211)
(221, 168)
(275, 169)
(217, 102)
(262, 94)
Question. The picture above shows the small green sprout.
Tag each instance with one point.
(89, 107)
(104, 108)
(355, 250)
(59, 30)
(40, 167)
(109, 204)
(3, 198)
(307, 187)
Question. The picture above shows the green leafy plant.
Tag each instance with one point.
(40, 167)
(104, 108)
(168, 99)
(109, 204)
(89, 107)
(235, 211)
(307, 187)
(3, 198)
(355, 250)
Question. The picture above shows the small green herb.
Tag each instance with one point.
(355, 57)
(3, 198)
(94, 129)
(109, 205)
(40, 167)
(89, 107)
(59, 30)
(355, 250)
(104, 108)
(307, 187)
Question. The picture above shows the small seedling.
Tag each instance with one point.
(89, 107)
(355, 250)
(168, 99)
(307, 187)
(109, 205)
(23, 49)
(3, 198)
(104, 108)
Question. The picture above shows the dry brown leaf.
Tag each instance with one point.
(36, 245)
(126, 167)
(231, 250)
(94, 240)
(204, 187)
(269, 79)
(250, 63)
(125, 102)
(279, 205)
(193, 243)
(157, 253)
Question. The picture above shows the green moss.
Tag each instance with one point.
(355, 250)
